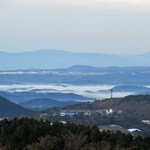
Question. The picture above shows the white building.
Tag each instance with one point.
(110, 111)
(146, 121)
(65, 113)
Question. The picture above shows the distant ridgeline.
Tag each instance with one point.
(127, 79)
(33, 59)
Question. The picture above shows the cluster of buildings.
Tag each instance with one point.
(68, 113)
(86, 112)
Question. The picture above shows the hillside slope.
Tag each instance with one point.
(137, 106)
(9, 109)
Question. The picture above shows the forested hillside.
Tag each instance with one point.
(136, 106)
(128, 112)
(29, 134)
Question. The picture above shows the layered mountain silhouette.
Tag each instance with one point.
(20, 97)
(59, 59)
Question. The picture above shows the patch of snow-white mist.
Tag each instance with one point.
(93, 91)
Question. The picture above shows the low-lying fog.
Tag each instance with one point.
(93, 91)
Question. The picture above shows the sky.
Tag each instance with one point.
(106, 26)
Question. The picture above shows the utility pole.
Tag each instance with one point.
(111, 93)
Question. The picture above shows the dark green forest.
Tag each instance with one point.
(30, 134)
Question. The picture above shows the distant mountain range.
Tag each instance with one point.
(9, 109)
(136, 89)
(79, 75)
(48, 59)
(132, 88)
(20, 97)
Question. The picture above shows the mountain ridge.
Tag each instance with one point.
(60, 59)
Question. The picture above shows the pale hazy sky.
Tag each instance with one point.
(105, 26)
